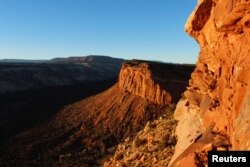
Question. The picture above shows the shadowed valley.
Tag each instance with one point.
(88, 131)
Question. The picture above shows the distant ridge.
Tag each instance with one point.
(83, 59)
(38, 74)
(21, 61)
(73, 59)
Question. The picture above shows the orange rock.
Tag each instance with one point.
(157, 82)
(222, 75)
(138, 80)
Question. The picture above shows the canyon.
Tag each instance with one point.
(33, 91)
(133, 120)
(87, 131)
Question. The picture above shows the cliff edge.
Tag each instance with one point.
(160, 83)
(138, 80)
(215, 112)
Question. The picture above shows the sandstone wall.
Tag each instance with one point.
(215, 114)
(137, 79)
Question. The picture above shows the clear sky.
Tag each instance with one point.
(141, 29)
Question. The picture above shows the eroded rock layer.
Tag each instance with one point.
(139, 81)
(157, 82)
(215, 114)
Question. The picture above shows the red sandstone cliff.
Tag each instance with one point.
(159, 83)
(138, 80)
(215, 114)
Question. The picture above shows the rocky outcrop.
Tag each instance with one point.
(152, 146)
(157, 82)
(215, 113)
(139, 81)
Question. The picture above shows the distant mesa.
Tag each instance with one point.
(70, 60)
(19, 75)
(21, 61)
(85, 59)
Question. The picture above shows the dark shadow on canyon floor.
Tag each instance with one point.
(26, 109)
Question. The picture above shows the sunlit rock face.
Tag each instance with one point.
(159, 83)
(215, 114)
(138, 80)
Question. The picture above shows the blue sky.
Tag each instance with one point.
(141, 29)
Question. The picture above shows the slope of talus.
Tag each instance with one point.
(214, 113)
(82, 133)
(152, 146)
